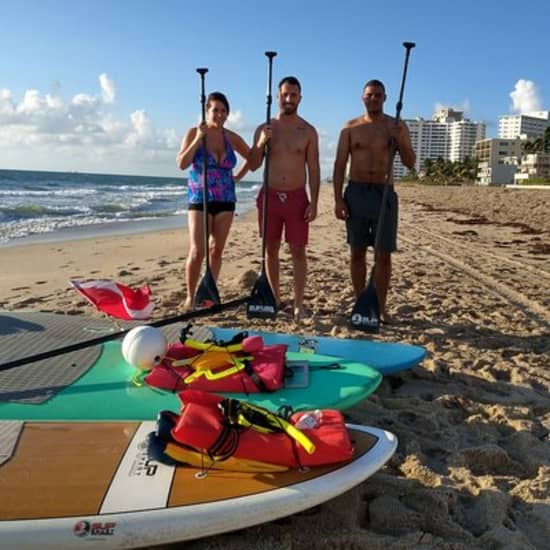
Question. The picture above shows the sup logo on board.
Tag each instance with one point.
(142, 464)
(85, 528)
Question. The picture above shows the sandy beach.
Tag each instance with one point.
(471, 284)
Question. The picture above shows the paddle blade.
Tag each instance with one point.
(207, 294)
(262, 302)
(366, 311)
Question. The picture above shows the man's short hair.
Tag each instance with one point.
(292, 80)
(375, 82)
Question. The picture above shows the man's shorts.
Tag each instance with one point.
(285, 209)
(364, 202)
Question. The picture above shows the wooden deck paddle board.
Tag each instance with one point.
(92, 485)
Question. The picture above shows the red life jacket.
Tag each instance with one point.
(262, 370)
(208, 426)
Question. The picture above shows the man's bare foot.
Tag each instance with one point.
(387, 319)
(301, 313)
(188, 305)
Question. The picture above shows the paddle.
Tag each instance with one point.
(262, 302)
(108, 337)
(207, 293)
(366, 311)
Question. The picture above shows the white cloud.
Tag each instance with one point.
(236, 122)
(327, 153)
(80, 133)
(108, 88)
(525, 97)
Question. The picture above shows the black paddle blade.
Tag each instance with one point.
(207, 293)
(262, 302)
(366, 311)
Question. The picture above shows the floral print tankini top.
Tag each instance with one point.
(221, 185)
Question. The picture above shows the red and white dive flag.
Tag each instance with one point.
(117, 300)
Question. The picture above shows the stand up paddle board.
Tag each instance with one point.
(106, 391)
(95, 383)
(69, 485)
(385, 357)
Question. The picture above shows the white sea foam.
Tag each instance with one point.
(33, 203)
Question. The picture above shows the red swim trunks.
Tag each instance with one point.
(285, 209)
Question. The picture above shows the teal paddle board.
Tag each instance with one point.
(106, 391)
(385, 357)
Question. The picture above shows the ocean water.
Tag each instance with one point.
(45, 205)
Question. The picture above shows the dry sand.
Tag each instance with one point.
(471, 284)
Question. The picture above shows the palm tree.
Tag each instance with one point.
(546, 140)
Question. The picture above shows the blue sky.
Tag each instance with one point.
(110, 86)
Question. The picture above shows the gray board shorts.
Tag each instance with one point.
(364, 201)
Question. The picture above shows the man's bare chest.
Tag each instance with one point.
(369, 138)
(292, 140)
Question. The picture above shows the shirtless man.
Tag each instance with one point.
(294, 147)
(368, 142)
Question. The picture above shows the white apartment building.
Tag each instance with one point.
(448, 135)
(533, 165)
(528, 125)
(497, 160)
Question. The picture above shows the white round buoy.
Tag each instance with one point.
(144, 347)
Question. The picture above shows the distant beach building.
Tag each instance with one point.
(502, 160)
(497, 160)
(527, 125)
(448, 135)
(533, 166)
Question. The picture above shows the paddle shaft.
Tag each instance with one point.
(102, 339)
(393, 149)
(202, 72)
(269, 100)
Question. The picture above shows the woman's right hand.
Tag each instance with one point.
(202, 130)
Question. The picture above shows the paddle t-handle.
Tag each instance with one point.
(202, 72)
(408, 47)
(269, 99)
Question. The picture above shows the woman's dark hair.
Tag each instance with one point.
(218, 96)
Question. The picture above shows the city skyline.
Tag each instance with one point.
(105, 88)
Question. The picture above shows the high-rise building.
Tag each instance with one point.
(448, 135)
(527, 125)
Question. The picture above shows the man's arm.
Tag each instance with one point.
(314, 174)
(404, 146)
(256, 154)
(339, 173)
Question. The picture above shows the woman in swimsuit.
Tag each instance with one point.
(221, 145)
